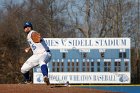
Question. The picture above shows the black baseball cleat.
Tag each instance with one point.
(46, 80)
(26, 82)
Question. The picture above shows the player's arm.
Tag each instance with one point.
(36, 37)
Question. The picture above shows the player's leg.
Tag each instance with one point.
(44, 59)
(25, 71)
(29, 64)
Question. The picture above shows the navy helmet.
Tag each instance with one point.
(28, 24)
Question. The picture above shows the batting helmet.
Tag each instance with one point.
(28, 24)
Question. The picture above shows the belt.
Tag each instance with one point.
(48, 50)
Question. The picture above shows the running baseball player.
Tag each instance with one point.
(41, 54)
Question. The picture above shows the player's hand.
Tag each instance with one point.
(27, 49)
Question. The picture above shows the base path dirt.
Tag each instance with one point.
(36, 88)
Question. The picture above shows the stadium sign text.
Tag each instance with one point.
(57, 43)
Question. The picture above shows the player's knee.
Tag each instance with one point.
(41, 63)
(23, 70)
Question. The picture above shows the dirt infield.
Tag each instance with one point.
(32, 88)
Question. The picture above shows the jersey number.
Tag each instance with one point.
(33, 47)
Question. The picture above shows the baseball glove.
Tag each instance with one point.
(36, 37)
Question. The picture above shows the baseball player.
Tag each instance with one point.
(41, 53)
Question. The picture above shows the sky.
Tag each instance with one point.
(13, 1)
